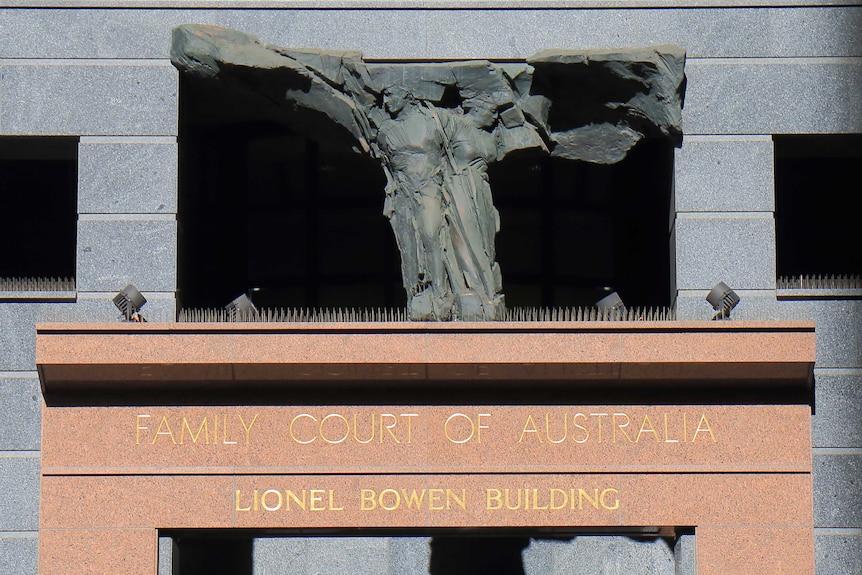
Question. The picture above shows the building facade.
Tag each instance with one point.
(762, 185)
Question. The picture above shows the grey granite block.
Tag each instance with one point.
(725, 174)
(116, 252)
(837, 420)
(166, 556)
(86, 97)
(839, 332)
(838, 554)
(805, 96)
(18, 553)
(127, 175)
(18, 336)
(702, 32)
(408, 555)
(19, 484)
(736, 248)
(610, 555)
(20, 412)
(330, 555)
(685, 555)
(18, 331)
(837, 490)
(415, 32)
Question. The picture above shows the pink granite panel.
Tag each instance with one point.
(721, 499)
(97, 551)
(137, 501)
(425, 439)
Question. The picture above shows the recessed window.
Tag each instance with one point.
(573, 231)
(38, 198)
(816, 188)
(297, 221)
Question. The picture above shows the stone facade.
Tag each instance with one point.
(102, 73)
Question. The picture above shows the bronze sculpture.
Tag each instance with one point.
(435, 128)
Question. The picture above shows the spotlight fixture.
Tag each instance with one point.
(240, 308)
(723, 299)
(612, 305)
(130, 301)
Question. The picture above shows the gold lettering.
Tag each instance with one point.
(164, 423)
(493, 499)
(332, 506)
(446, 428)
(703, 421)
(356, 427)
(434, 497)
(279, 500)
(529, 427)
(536, 500)
(615, 504)
(409, 417)
(395, 497)
(316, 499)
(509, 503)
(594, 501)
(247, 428)
(548, 428)
(452, 496)
(289, 496)
(647, 427)
(581, 427)
(553, 503)
(388, 427)
(367, 502)
(237, 507)
(184, 426)
(479, 426)
(600, 416)
(346, 428)
(414, 498)
(621, 426)
(293, 435)
(140, 427)
(224, 431)
(666, 440)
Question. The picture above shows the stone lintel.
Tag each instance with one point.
(154, 356)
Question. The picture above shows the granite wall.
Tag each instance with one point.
(101, 72)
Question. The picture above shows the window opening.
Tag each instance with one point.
(38, 179)
(817, 234)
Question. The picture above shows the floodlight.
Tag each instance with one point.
(612, 305)
(723, 299)
(240, 308)
(130, 301)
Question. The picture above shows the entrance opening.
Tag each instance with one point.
(478, 552)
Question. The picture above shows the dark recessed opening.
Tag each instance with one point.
(297, 218)
(816, 184)
(212, 555)
(38, 195)
(573, 231)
